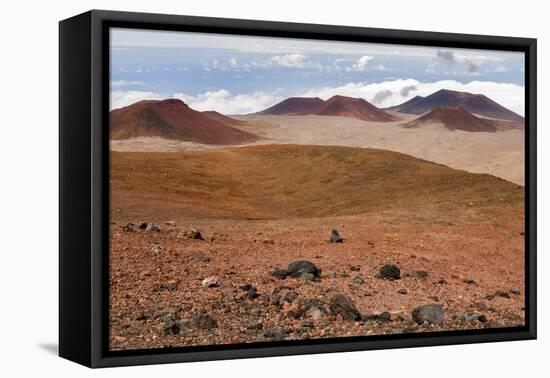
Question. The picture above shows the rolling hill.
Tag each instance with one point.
(341, 106)
(173, 119)
(454, 118)
(475, 103)
(253, 182)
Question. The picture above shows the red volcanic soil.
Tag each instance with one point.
(474, 103)
(455, 118)
(223, 118)
(355, 108)
(173, 119)
(335, 106)
(295, 105)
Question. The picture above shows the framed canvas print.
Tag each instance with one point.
(234, 188)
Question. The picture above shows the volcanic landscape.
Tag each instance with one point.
(314, 219)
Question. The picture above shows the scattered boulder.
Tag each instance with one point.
(191, 234)
(129, 227)
(199, 256)
(279, 274)
(212, 281)
(204, 321)
(358, 280)
(299, 267)
(152, 228)
(498, 293)
(314, 309)
(381, 317)
(390, 272)
(271, 333)
(156, 249)
(472, 317)
(335, 237)
(342, 305)
(142, 225)
(432, 314)
(171, 325)
(251, 291)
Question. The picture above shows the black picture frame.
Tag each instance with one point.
(84, 186)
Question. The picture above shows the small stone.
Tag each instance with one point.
(212, 281)
(156, 249)
(128, 227)
(170, 223)
(297, 268)
(402, 291)
(190, 234)
(152, 228)
(314, 309)
(421, 274)
(204, 321)
(307, 277)
(432, 314)
(358, 280)
(252, 293)
(390, 272)
(171, 326)
(279, 274)
(335, 237)
(199, 256)
(381, 317)
(142, 225)
(290, 296)
(472, 317)
(331, 274)
(355, 268)
(515, 291)
(344, 306)
(276, 335)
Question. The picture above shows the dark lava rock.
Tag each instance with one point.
(498, 293)
(142, 225)
(152, 228)
(171, 326)
(199, 256)
(342, 305)
(252, 293)
(204, 321)
(472, 317)
(271, 333)
(381, 318)
(128, 227)
(192, 234)
(299, 267)
(314, 309)
(390, 272)
(335, 237)
(280, 274)
(432, 313)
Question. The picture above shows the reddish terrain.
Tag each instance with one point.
(173, 119)
(223, 118)
(474, 103)
(335, 106)
(457, 237)
(295, 105)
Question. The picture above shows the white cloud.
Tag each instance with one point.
(225, 102)
(361, 63)
(508, 95)
(233, 62)
(289, 60)
(384, 94)
(120, 99)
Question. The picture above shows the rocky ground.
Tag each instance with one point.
(179, 281)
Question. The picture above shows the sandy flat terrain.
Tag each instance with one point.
(500, 154)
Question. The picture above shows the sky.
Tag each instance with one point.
(246, 74)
